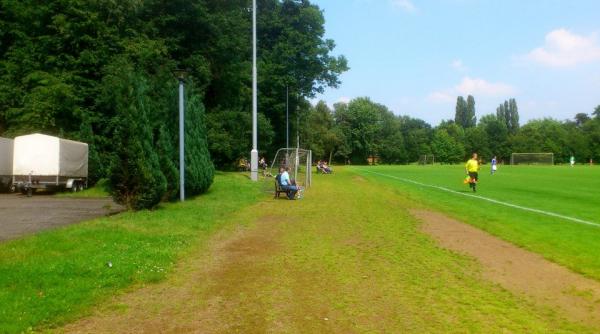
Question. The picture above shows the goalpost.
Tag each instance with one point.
(299, 162)
(532, 159)
(426, 159)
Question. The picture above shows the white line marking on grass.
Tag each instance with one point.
(524, 208)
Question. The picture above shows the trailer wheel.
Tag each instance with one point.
(74, 186)
(79, 186)
(29, 192)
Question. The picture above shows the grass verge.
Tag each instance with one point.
(54, 277)
(562, 190)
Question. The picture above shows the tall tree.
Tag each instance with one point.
(497, 134)
(513, 116)
(166, 157)
(199, 169)
(460, 114)
(470, 118)
(508, 113)
(596, 112)
(581, 119)
(476, 141)
(446, 148)
(136, 180)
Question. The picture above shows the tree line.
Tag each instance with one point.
(355, 131)
(100, 71)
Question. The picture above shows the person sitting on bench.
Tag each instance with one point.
(326, 169)
(286, 183)
(320, 167)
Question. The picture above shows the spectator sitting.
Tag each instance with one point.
(286, 183)
(326, 168)
(262, 163)
(320, 166)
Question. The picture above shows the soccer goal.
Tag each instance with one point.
(532, 159)
(426, 159)
(299, 162)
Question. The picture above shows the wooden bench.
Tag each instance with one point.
(278, 189)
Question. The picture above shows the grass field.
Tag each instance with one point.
(572, 192)
(348, 258)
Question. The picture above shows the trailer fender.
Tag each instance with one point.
(71, 183)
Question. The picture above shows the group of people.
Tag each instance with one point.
(323, 167)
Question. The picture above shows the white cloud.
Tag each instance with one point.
(472, 86)
(441, 97)
(405, 5)
(564, 48)
(458, 65)
(344, 99)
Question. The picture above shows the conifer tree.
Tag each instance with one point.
(167, 158)
(460, 114)
(199, 169)
(470, 119)
(136, 180)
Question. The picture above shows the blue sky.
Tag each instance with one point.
(417, 56)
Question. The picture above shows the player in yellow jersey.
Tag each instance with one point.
(472, 169)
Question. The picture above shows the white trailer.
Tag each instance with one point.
(6, 163)
(46, 162)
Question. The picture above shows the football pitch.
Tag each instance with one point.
(551, 210)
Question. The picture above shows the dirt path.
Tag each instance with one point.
(208, 295)
(518, 270)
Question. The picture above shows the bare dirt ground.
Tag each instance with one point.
(212, 297)
(518, 270)
(20, 215)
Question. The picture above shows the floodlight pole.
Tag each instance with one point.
(298, 126)
(287, 116)
(254, 152)
(181, 142)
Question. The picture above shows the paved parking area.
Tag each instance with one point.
(21, 215)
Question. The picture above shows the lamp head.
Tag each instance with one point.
(181, 74)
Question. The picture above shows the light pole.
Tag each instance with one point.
(254, 152)
(180, 74)
(287, 116)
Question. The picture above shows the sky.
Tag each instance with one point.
(417, 56)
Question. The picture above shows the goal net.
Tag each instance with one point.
(299, 162)
(532, 159)
(426, 159)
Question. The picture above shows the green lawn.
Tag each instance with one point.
(562, 190)
(55, 276)
(349, 252)
(347, 258)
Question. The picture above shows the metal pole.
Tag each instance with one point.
(254, 152)
(287, 116)
(181, 144)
